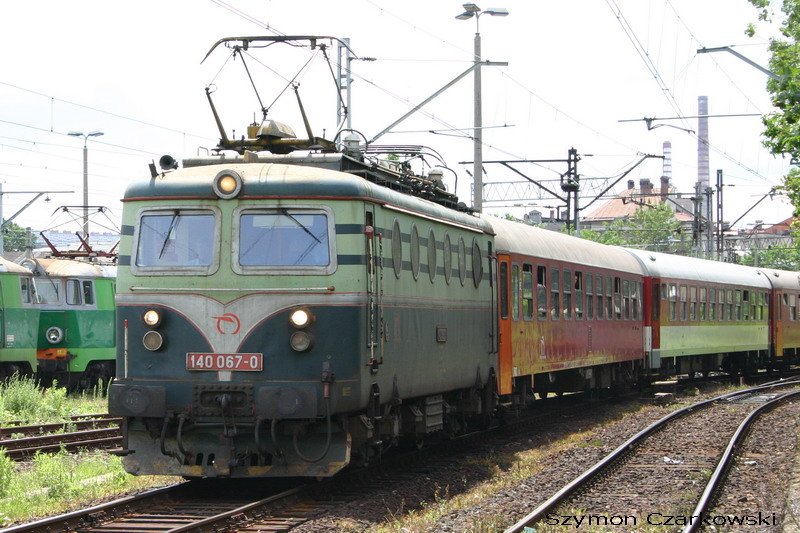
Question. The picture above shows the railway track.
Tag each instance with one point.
(651, 464)
(81, 432)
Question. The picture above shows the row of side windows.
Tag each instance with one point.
(564, 294)
(691, 304)
(432, 255)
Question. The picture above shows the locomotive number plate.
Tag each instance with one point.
(214, 362)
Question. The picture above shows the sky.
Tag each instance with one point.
(576, 70)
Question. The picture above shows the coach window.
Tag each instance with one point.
(754, 315)
(515, 292)
(746, 306)
(703, 296)
(618, 298)
(673, 299)
(626, 299)
(414, 251)
(684, 307)
(792, 307)
(738, 305)
(589, 297)
(432, 258)
(178, 241)
(527, 291)
(567, 294)
(541, 291)
(503, 289)
(635, 301)
(397, 249)
(555, 303)
(579, 295)
(609, 298)
(721, 301)
(693, 303)
(598, 290)
(712, 304)
(729, 313)
(462, 261)
(447, 259)
(477, 263)
(765, 307)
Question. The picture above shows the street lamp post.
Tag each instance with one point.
(85, 177)
(470, 11)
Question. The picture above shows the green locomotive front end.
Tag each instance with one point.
(19, 317)
(283, 320)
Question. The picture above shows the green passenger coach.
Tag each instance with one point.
(283, 320)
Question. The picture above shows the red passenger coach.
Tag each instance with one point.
(784, 323)
(570, 312)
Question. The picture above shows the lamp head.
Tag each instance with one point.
(466, 15)
(75, 134)
(471, 8)
(496, 12)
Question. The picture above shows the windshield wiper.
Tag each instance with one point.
(300, 224)
(172, 225)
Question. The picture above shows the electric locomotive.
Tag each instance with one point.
(75, 340)
(19, 316)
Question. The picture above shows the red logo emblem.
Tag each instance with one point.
(228, 322)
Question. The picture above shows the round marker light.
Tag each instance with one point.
(301, 341)
(152, 318)
(54, 335)
(227, 184)
(300, 318)
(153, 340)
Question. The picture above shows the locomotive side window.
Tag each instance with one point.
(555, 304)
(515, 292)
(567, 294)
(414, 252)
(462, 261)
(447, 259)
(589, 297)
(176, 240)
(73, 293)
(397, 249)
(541, 291)
(26, 288)
(527, 291)
(432, 260)
(48, 291)
(477, 263)
(579, 295)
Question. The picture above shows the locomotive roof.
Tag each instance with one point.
(73, 268)
(670, 266)
(782, 279)
(276, 180)
(10, 266)
(516, 237)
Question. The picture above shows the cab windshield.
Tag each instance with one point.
(284, 238)
(176, 239)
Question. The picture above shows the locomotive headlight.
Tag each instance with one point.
(54, 335)
(151, 317)
(153, 340)
(300, 318)
(227, 184)
(301, 341)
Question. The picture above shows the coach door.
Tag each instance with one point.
(504, 320)
(373, 241)
(652, 321)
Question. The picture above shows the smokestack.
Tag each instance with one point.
(666, 172)
(631, 184)
(645, 186)
(702, 145)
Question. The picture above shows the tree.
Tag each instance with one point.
(782, 128)
(15, 237)
(781, 256)
(652, 227)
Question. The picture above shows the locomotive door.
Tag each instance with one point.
(504, 354)
(374, 266)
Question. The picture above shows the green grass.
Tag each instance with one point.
(57, 483)
(24, 399)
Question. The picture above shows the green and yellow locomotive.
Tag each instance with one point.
(19, 316)
(75, 340)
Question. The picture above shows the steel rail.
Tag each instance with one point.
(720, 473)
(573, 486)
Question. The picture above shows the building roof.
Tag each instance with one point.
(628, 201)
